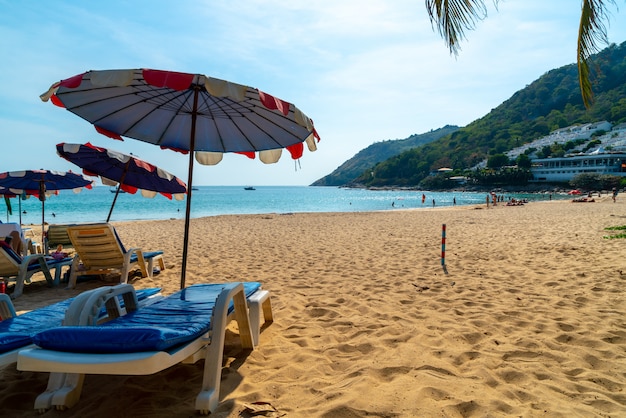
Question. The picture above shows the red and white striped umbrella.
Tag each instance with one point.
(189, 113)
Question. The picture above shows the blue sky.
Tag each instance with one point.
(364, 71)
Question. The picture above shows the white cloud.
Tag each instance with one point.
(363, 71)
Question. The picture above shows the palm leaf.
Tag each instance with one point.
(591, 33)
(453, 18)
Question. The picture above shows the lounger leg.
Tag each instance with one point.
(19, 288)
(71, 283)
(208, 399)
(63, 391)
(260, 301)
(150, 269)
(159, 259)
(19, 281)
(161, 262)
(69, 394)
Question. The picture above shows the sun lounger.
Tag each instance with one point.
(16, 332)
(100, 251)
(20, 269)
(27, 243)
(184, 327)
(55, 235)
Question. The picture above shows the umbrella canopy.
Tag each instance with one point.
(42, 183)
(127, 172)
(189, 113)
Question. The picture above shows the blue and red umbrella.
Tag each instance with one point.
(42, 183)
(129, 173)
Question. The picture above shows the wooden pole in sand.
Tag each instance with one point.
(443, 248)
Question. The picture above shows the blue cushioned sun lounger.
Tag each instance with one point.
(184, 327)
(16, 332)
(21, 269)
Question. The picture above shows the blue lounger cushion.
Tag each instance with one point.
(163, 325)
(18, 331)
(147, 255)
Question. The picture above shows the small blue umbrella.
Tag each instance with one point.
(40, 183)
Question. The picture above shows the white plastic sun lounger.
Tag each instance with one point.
(181, 328)
(16, 331)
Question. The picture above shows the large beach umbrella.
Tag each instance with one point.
(129, 173)
(189, 113)
(42, 183)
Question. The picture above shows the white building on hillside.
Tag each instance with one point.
(563, 169)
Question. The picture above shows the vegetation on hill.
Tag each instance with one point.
(551, 102)
(377, 152)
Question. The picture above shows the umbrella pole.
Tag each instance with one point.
(192, 146)
(43, 208)
(114, 199)
(117, 192)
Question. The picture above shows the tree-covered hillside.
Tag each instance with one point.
(551, 102)
(375, 153)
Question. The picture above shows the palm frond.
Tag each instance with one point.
(591, 35)
(453, 18)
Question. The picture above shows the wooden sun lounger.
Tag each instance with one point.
(100, 251)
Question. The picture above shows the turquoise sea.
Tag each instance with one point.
(93, 205)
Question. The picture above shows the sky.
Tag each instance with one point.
(364, 71)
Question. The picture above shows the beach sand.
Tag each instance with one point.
(529, 320)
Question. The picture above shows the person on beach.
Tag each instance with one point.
(433, 203)
(454, 201)
(14, 240)
(59, 254)
(614, 194)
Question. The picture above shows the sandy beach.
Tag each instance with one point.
(527, 319)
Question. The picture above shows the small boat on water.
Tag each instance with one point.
(249, 188)
(114, 190)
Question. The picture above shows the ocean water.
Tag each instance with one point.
(93, 205)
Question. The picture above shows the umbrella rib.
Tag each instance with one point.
(141, 99)
(235, 110)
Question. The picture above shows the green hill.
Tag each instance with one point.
(551, 102)
(377, 152)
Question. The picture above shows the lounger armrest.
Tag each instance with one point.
(29, 258)
(86, 307)
(43, 264)
(7, 310)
